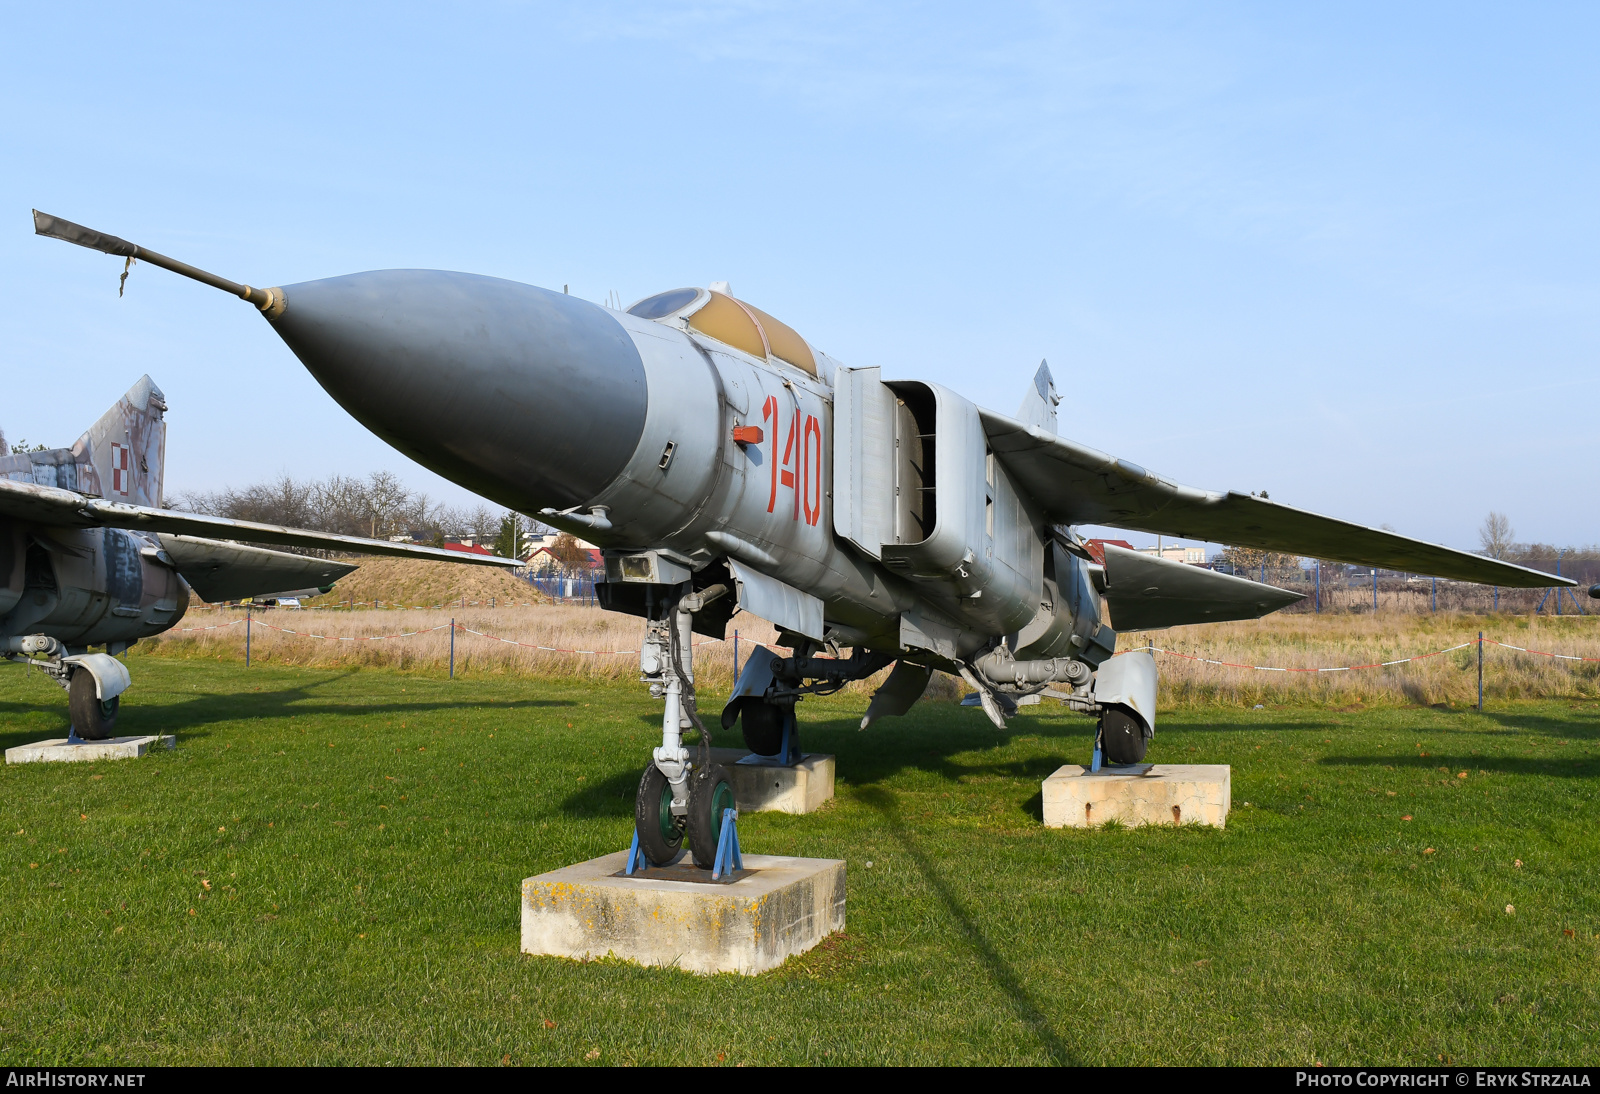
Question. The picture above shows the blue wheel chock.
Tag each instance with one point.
(1099, 753)
(728, 858)
(638, 861)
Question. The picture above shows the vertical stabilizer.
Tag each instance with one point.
(122, 455)
(1039, 405)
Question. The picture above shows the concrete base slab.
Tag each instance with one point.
(1138, 794)
(60, 750)
(784, 906)
(759, 788)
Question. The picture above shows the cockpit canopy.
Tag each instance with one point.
(729, 320)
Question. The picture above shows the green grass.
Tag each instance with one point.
(364, 835)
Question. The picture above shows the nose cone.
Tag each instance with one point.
(526, 396)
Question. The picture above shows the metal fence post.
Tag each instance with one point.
(1480, 672)
(1319, 585)
(736, 656)
(452, 649)
(1374, 588)
(1435, 606)
(247, 638)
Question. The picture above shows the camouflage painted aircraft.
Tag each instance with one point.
(721, 461)
(88, 556)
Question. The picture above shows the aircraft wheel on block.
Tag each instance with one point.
(1123, 735)
(762, 726)
(660, 835)
(91, 718)
(710, 792)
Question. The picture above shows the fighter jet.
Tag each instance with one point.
(89, 557)
(721, 461)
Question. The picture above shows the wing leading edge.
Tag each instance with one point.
(1075, 484)
(52, 505)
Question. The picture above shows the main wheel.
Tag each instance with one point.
(1123, 735)
(762, 726)
(710, 792)
(660, 833)
(92, 717)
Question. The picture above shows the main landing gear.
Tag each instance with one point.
(94, 682)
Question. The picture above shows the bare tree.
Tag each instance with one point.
(385, 497)
(1496, 536)
(378, 505)
(1254, 563)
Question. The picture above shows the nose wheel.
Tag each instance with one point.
(710, 794)
(660, 833)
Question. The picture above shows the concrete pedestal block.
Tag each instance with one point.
(782, 907)
(1138, 794)
(759, 788)
(60, 751)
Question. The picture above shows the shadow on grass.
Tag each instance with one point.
(1577, 725)
(930, 738)
(928, 741)
(193, 716)
(994, 962)
(1554, 766)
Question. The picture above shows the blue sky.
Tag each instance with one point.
(1343, 253)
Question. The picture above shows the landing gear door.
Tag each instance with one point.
(784, 606)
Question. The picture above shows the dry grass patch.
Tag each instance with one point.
(1280, 641)
(1331, 641)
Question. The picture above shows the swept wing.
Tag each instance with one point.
(1075, 484)
(52, 505)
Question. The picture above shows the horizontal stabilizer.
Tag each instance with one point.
(218, 571)
(1144, 591)
(1075, 484)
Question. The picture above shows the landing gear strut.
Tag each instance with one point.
(680, 794)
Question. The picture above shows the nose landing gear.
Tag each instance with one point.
(679, 796)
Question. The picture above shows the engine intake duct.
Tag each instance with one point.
(999, 667)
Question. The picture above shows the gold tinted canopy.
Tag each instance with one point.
(731, 321)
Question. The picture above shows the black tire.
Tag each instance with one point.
(660, 833)
(1123, 735)
(92, 719)
(710, 792)
(762, 726)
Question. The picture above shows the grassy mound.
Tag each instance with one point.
(415, 582)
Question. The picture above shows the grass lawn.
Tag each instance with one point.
(328, 868)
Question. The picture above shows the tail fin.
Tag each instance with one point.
(122, 456)
(1039, 405)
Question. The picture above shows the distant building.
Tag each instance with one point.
(535, 542)
(467, 547)
(542, 560)
(1194, 556)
